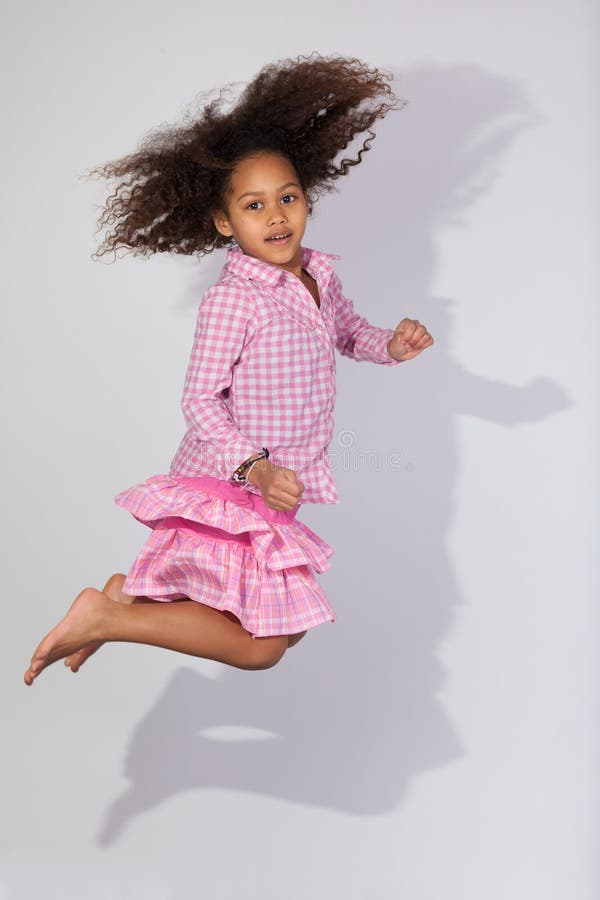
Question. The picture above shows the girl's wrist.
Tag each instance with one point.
(257, 469)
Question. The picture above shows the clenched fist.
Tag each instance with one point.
(279, 486)
(410, 338)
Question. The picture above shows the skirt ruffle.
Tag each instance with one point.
(215, 543)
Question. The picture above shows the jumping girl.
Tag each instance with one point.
(228, 571)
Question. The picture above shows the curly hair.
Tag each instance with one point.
(307, 109)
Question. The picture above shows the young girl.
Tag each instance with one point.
(228, 570)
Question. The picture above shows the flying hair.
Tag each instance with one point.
(309, 110)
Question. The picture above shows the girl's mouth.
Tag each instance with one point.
(281, 238)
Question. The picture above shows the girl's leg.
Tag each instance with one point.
(294, 638)
(183, 625)
(114, 589)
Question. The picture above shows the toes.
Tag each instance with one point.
(34, 669)
(36, 666)
(73, 662)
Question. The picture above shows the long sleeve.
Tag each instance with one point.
(224, 325)
(355, 336)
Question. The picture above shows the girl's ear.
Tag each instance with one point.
(221, 223)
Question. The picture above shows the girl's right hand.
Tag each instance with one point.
(279, 486)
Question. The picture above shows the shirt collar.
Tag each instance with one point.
(314, 261)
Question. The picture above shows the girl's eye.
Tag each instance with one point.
(287, 198)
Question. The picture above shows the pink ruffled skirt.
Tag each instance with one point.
(221, 545)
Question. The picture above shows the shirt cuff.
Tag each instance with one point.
(381, 347)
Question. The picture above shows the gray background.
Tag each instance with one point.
(438, 742)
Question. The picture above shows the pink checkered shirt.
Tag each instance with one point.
(262, 371)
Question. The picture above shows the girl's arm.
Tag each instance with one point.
(224, 325)
(355, 336)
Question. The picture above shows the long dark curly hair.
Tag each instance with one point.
(307, 109)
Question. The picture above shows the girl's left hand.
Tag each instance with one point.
(410, 338)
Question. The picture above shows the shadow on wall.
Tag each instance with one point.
(351, 714)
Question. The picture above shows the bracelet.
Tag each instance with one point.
(247, 475)
(240, 476)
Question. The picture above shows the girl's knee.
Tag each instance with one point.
(266, 652)
(294, 638)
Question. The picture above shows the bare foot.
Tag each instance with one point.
(79, 628)
(113, 588)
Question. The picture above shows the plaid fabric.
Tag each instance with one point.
(262, 371)
(217, 544)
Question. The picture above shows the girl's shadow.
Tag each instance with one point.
(347, 717)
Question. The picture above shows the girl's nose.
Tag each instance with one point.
(277, 216)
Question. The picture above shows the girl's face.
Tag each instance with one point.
(266, 210)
